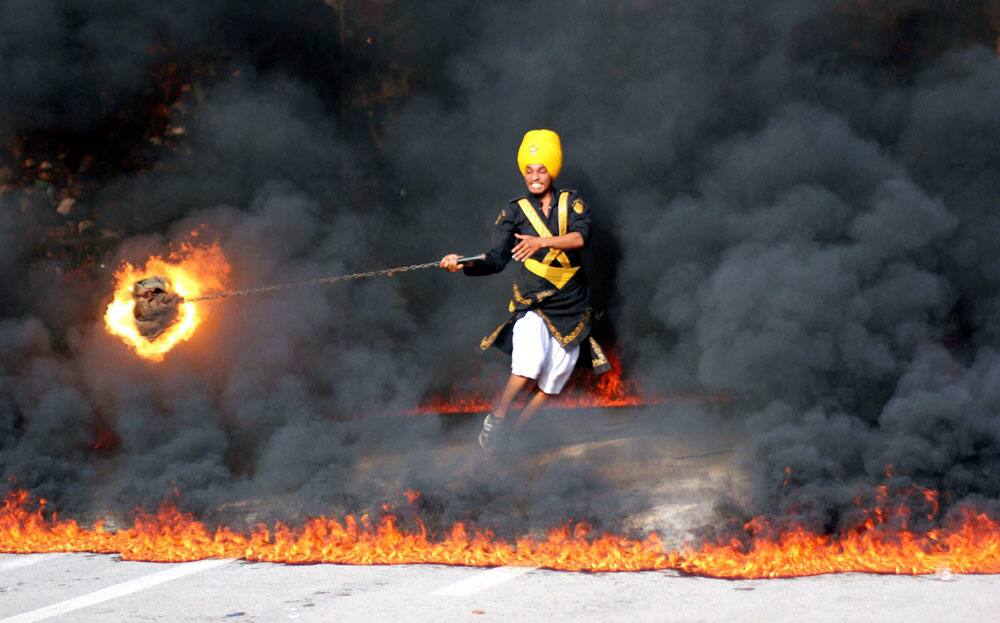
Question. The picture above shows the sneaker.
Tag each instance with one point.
(489, 437)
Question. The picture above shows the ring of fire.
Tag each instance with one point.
(192, 271)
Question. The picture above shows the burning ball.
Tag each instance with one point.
(157, 307)
(152, 311)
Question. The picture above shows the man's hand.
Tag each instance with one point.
(527, 247)
(450, 263)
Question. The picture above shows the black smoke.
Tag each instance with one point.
(793, 202)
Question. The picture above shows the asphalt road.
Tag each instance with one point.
(82, 588)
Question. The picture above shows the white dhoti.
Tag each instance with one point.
(537, 355)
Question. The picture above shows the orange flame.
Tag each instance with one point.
(608, 391)
(972, 545)
(192, 271)
(174, 536)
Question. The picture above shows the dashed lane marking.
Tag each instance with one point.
(482, 581)
(118, 590)
(26, 560)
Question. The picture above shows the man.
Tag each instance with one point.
(550, 311)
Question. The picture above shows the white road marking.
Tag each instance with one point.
(118, 590)
(481, 581)
(25, 560)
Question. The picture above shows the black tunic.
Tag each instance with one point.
(554, 284)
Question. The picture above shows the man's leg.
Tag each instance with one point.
(526, 360)
(556, 371)
(537, 400)
(493, 424)
(510, 391)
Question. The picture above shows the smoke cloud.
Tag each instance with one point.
(794, 205)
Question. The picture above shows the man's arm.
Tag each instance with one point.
(529, 245)
(497, 257)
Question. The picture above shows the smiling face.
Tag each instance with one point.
(537, 179)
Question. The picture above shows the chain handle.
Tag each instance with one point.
(388, 272)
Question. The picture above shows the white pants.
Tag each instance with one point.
(537, 355)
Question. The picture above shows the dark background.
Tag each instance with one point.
(795, 204)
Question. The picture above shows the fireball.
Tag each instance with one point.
(191, 272)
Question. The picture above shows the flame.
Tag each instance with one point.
(192, 271)
(173, 536)
(973, 546)
(882, 541)
(970, 545)
(610, 390)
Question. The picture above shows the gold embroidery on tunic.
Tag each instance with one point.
(523, 300)
(487, 341)
(519, 298)
(579, 206)
(597, 355)
(572, 335)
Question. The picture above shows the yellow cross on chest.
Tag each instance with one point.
(560, 275)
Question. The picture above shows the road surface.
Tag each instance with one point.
(84, 588)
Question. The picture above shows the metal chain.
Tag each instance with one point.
(314, 282)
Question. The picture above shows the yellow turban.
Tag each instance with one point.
(541, 147)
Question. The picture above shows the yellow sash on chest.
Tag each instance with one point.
(560, 275)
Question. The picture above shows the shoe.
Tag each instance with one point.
(489, 437)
